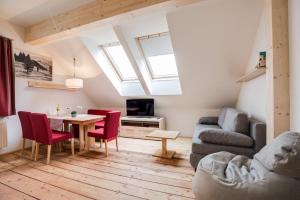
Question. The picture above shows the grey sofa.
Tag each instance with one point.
(273, 174)
(232, 131)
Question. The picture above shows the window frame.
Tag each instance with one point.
(113, 64)
(148, 64)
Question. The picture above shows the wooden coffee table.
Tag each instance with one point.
(164, 136)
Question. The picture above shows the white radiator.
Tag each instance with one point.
(3, 133)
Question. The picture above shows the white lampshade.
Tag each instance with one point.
(74, 83)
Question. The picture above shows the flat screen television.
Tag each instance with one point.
(140, 107)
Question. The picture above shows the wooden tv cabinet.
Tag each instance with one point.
(139, 127)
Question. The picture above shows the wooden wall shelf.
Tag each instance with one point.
(49, 85)
(252, 75)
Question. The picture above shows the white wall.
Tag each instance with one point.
(34, 99)
(294, 39)
(212, 41)
(253, 94)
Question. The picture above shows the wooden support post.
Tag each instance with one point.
(277, 69)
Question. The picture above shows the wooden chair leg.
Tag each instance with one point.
(32, 149)
(100, 143)
(87, 142)
(72, 146)
(37, 149)
(117, 145)
(23, 146)
(106, 150)
(48, 154)
(59, 147)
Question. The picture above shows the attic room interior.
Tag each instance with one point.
(150, 99)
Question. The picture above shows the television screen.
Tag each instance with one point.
(140, 107)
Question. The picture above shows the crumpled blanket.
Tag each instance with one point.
(223, 175)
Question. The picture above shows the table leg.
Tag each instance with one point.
(164, 147)
(81, 137)
(164, 153)
(66, 126)
(91, 141)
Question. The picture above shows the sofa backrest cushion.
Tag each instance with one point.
(222, 137)
(282, 156)
(222, 117)
(236, 121)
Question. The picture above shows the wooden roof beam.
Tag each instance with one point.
(60, 25)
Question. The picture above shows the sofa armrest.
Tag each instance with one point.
(258, 134)
(222, 137)
(208, 120)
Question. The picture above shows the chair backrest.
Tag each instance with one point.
(26, 124)
(112, 123)
(41, 127)
(98, 112)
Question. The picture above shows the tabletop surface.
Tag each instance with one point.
(164, 134)
(79, 117)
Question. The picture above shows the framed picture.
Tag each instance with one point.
(32, 66)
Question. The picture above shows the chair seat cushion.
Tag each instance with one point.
(100, 124)
(58, 136)
(98, 133)
(219, 136)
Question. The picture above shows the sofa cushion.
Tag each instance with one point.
(236, 121)
(208, 120)
(222, 117)
(219, 136)
(282, 156)
(204, 148)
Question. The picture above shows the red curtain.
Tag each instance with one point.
(7, 78)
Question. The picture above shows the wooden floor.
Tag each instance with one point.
(131, 173)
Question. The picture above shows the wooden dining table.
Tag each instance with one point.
(86, 123)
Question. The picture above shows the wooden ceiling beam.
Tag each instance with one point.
(60, 25)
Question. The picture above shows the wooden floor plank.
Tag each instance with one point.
(162, 173)
(153, 163)
(124, 175)
(72, 185)
(36, 188)
(136, 157)
(120, 179)
(7, 193)
(121, 172)
(125, 187)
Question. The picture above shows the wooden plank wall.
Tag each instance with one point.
(278, 107)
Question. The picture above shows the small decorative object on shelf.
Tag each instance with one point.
(262, 59)
(73, 113)
(57, 109)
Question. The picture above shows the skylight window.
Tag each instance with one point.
(119, 61)
(158, 53)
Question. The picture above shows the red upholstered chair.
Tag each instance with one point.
(27, 130)
(44, 134)
(109, 131)
(99, 124)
